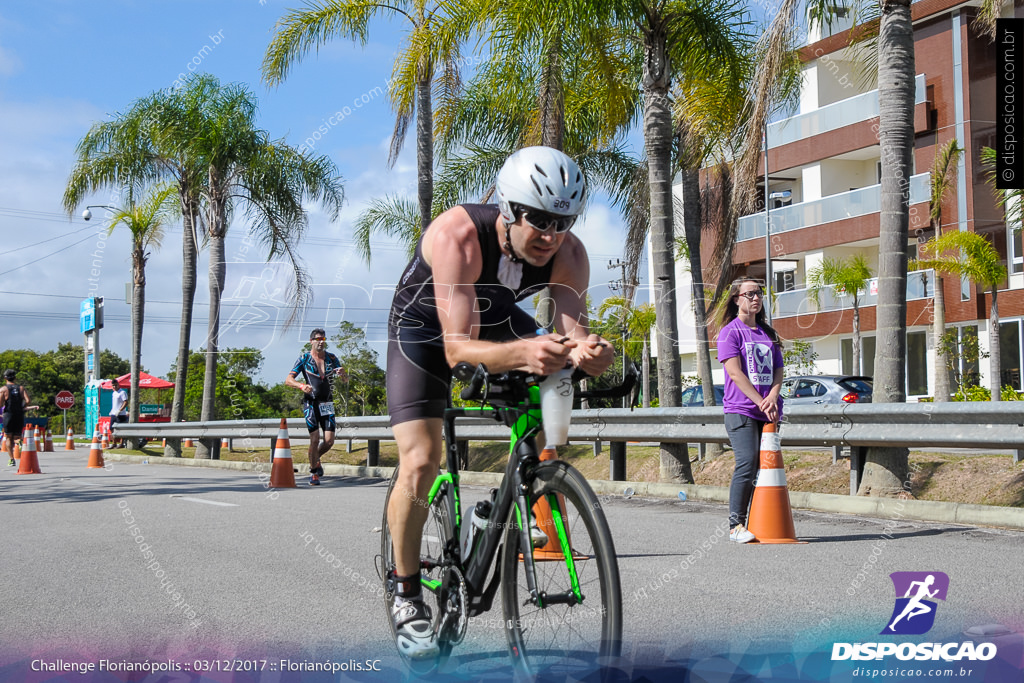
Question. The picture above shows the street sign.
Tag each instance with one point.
(64, 400)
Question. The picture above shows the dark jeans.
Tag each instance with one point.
(745, 437)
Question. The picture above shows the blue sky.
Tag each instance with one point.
(66, 64)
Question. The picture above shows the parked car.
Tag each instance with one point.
(820, 389)
(694, 396)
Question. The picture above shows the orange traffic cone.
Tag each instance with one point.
(187, 443)
(224, 443)
(164, 444)
(4, 446)
(771, 518)
(16, 452)
(29, 462)
(70, 445)
(282, 475)
(48, 448)
(551, 550)
(96, 452)
(104, 444)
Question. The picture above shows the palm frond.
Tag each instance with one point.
(390, 216)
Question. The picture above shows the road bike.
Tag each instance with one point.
(556, 563)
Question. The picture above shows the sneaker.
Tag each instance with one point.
(314, 480)
(740, 534)
(11, 463)
(538, 537)
(414, 631)
(318, 470)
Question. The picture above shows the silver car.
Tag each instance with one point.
(820, 389)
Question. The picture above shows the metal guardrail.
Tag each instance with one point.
(856, 427)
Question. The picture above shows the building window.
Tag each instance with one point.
(1015, 257)
(917, 360)
(1010, 354)
(965, 363)
(867, 355)
(917, 363)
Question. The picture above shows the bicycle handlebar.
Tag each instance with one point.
(477, 377)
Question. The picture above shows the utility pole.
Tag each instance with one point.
(621, 286)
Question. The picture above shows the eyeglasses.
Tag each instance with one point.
(543, 222)
(318, 339)
(750, 296)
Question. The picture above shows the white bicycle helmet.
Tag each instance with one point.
(540, 178)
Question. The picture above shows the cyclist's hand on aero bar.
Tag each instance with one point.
(593, 355)
(548, 353)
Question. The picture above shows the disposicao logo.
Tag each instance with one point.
(916, 593)
(914, 614)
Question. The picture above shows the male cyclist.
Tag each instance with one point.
(456, 301)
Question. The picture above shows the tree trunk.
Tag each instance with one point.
(675, 458)
(424, 151)
(995, 362)
(189, 258)
(692, 229)
(551, 104)
(942, 392)
(858, 367)
(210, 448)
(647, 374)
(138, 317)
(886, 469)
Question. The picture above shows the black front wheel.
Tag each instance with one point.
(577, 627)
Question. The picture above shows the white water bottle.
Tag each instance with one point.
(475, 521)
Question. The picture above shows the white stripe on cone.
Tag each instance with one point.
(771, 478)
(770, 441)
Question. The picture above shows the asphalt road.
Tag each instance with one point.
(190, 567)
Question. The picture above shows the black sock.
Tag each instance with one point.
(408, 587)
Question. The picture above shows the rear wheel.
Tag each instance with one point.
(577, 626)
(442, 590)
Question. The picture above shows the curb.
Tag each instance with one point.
(882, 508)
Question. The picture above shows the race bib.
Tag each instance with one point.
(327, 408)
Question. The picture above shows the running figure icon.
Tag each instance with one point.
(915, 607)
(916, 593)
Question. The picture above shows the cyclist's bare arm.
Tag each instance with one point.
(570, 279)
(452, 249)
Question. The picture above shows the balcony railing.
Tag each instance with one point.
(860, 202)
(833, 116)
(795, 302)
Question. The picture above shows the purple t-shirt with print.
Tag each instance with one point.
(759, 356)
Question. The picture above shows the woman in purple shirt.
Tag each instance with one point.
(751, 352)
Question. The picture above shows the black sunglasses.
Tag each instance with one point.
(543, 222)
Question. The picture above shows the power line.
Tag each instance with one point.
(48, 255)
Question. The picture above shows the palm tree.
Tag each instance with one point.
(844, 276)
(692, 37)
(268, 180)
(150, 143)
(969, 255)
(943, 175)
(146, 223)
(413, 78)
(886, 468)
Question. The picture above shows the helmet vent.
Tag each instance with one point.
(540, 170)
(536, 185)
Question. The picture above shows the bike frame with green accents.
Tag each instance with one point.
(522, 415)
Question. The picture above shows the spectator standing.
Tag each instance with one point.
(751, 352)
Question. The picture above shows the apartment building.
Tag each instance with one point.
(823, 167)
